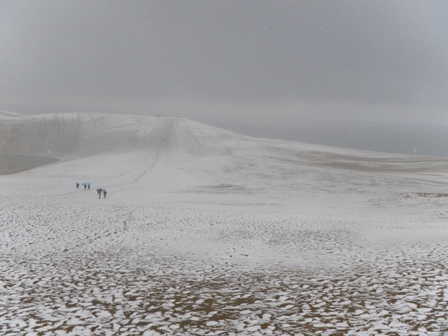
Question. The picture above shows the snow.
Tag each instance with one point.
(205, 231)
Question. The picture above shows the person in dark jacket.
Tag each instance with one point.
(99, 190)
(77, 185)
(104, 193)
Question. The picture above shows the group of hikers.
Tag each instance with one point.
(99, 191)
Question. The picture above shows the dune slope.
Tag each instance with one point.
(205, 231)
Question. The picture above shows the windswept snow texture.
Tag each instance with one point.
(206, 232)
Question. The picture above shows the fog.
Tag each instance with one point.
(257, 67)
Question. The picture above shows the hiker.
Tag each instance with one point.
(99, 192)
(85, 185)
(104, 193)
(88, 185)
(77, 185)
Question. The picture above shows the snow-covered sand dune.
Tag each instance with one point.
(207, 232)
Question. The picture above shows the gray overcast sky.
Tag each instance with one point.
(228, 62)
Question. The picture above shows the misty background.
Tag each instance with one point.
(360, 74)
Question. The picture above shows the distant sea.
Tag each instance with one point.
(424, 140)
(11, 164)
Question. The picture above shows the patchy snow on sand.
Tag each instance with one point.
(206, 232)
